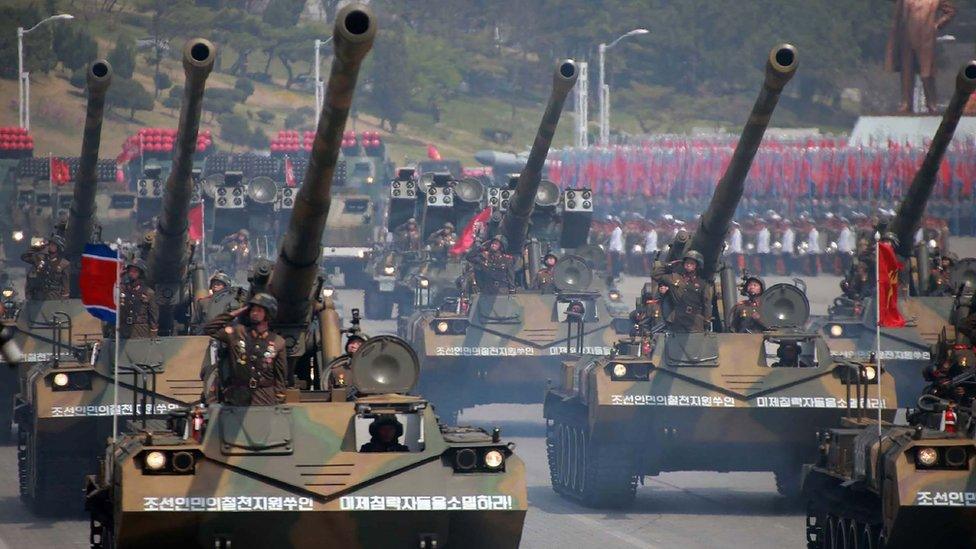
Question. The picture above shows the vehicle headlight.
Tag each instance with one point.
(614, 295)
(389, 270)
(494, 459)
(155, 461)
(638, 249)
(8, 292)
(328, 292)
(620, 370)
(442, 327)
(360, 253)
(870, 373)
(927, 456)
(61, 380)
(836, 330)
(369, 180)
(932, 244)
(424, 283)
(18, 236)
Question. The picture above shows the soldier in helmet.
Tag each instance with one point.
(940, 276)
(493, 267)
(237, 249)
(47, 277)
(648, 316)
(545, 280)
(223, 298)
(406, 237)
(138, 310)
(745, 317)
(339, 371)
(690, 295)
(385, 432)
(442, 239)
(253, 369)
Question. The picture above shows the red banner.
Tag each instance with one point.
(466, 240)
(888, 268)
(60, 172)
(196, 222)
(289, 172)
(433, 153)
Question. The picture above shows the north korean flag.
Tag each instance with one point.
(99, 277)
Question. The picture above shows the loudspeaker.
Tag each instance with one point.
(439, 197)
(572, 274)
(548, 195)
(438, 209)
(964, 272)
(262, 189)
(230, 198)
(403, 202)
(784, 306)
(285, 199)
(384, 364)
(149, 188)
(469, 192)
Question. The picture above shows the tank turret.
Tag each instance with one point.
(293, 278)
(515, 223)
(715, 221)
(81, 216)
(169, 256)
(912, 206)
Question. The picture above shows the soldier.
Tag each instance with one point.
(690, 296)
(545, 281)
(237, 250)
(940, 277)
(745, 317)
(138, 310)
(340, 369)
(384, 433)
(252, 372)
(48, 275)
(648, 317)
(441, 240)
(222, 299)
(406, 237)
(493, 267)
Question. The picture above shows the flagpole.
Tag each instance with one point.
(877, 314)
(203, 232)
(115, 373)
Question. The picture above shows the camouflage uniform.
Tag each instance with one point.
(138, 310)
(48, 276)
(253, 368)
(691, 299)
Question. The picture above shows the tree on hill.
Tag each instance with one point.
(301, 119)
(39, 55)
(74, 47)
(245, 87)
(123, 58)
(388, 81)
(125, 93)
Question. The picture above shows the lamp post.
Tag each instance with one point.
(319, 85)
(23, 78)
(603, 92)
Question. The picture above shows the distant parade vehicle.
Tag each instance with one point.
(493, 321)
(356, 461)
(935, 280)
(695, 393)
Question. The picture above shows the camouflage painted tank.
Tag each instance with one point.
(706, 401)
(850, 324)
(301, 471)
(66, 406)
(898, 486)
(61, 328)
(481, 347)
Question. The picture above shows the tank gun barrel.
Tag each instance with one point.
(293, 277)
(170, 254)
(81, 216)
(515, 223)
(715, 222)
(912, 206)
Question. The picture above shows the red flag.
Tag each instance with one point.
(432, 152)
(60, 172)
(466, 240)
(888, 268)
(289, 172)
(98, 278)
(196, 222)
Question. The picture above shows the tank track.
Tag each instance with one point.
(597, 475)
(836, 518)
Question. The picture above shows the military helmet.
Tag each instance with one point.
(244, 232)
(449, 225)
(57, 240)
(695, 256)
(266, 301)
(383, 420)
(891, 237)
(502, 240)
(221, 277)
(355, 337)
(747, 278)
(138, 264)
(547, 256)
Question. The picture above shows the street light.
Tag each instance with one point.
(23, 78)
(603, 92)
(319, 85)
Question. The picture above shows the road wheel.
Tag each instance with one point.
(608, 477)
(851, 537)
(833, 533)
(867, 537)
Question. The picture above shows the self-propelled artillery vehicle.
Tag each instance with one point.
(706, 400)
(501, 344)
(66, 407)
(850, 324)
(303, 472)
